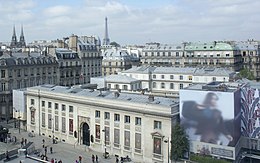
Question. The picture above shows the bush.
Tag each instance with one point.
(206, 159)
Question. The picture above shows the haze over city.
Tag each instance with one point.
(132, 21)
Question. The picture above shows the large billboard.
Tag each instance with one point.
(250, 108)
(210, 117)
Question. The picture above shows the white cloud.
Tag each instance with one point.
(184, 20)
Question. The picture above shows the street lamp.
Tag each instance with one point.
(105, 143)
(19, 125)
(167, 141)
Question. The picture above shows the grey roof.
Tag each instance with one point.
(162, 47)
(174, 70)
(247, 45)
(204, 71)
(63, 53)
(140, 69)
(213, 72)
(26, 59)
(118, 54)
(127, 97)
(120, 79)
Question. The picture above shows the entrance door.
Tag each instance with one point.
(86, 134)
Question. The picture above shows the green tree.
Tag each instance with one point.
(179, 143)
(115, 44)
(246, 73)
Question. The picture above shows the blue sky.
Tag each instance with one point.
(133, 21)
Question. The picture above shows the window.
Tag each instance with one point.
(181, 77)
(162, 76)
(107, 115)
(177, 54)
(63, 107)
(169, 54)
(154, 76)
(71, 109)
(56, 106)
(172, 86)
(43, 103)
(171, 77)
(97, 115)
(127, 119)
(125, 87)
(154, 84)
(181, 86)
(109, 86)
(214, 79)
(3, 86)
(162, 85)
(43, 119)
(32, 101)
(49, 104)
(190, 77)
(158, 53)
(157, 125)
(116, 86)
(117, 117)
(138, 121)
(63, 126)
(2, 73)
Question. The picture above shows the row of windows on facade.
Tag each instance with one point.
(116, 63)
(125, 87)
(27, 71)
(172, 77)
(27, 83)
(177, 54)
(127, 119)
(56, 105)
(171, 85)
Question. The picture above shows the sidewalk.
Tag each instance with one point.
(61, 151)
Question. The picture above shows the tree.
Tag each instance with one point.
(115, 44)
(246, 73)
(179, 143)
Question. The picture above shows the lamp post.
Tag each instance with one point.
(19, 125)
(168, 142)
(105, 143)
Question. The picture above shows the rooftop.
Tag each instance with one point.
(210, 46)
(203, 71)
(120, 79)
(109, 95)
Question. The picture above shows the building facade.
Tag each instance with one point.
(120, 123)
(69, 67)
(116, 60)
(250, 51)
(169, 80)
(215, 54)
(20, 70)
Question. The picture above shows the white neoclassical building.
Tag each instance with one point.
(122, 123)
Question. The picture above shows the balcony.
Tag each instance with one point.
(157, 156)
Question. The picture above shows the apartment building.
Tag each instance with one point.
(21, 70)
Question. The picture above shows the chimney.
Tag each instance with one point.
(150, 98)
(117, 94)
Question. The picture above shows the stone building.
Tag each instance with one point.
(20, 70)
(116, 60)
(118, 123)
(69, 67)
(211, 54)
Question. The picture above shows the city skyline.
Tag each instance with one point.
(133, 22)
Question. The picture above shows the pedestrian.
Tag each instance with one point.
(117, 160)
(55, 161)
(77, 161)
(80, 159)
(60, 161)
(51, 150)
(25, 141)
(96, 158)
(52, 160)
(43, 141)
(93, 158)
(7, 155)
(45, 150)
